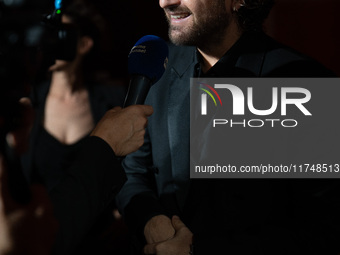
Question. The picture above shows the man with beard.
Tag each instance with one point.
(176, 215)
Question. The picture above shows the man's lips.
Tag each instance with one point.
(179, 16)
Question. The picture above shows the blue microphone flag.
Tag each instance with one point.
(148, 57)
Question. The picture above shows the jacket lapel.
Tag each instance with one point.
(181, 65)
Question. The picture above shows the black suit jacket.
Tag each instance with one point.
(226, 216)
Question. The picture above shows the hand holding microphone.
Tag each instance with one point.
(124, 129)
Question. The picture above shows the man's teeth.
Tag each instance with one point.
(179, 16)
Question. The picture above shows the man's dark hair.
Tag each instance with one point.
(252, 15)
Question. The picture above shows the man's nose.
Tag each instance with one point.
(166, 3)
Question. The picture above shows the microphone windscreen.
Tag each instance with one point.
(148, 57)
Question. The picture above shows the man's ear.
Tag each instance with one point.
(85, 44)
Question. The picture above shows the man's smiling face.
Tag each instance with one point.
(192, 22)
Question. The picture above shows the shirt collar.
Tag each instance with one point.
(227, 63)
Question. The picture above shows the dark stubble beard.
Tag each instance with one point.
(208, 29)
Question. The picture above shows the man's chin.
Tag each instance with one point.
(180, 38)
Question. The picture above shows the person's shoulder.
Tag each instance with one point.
(281, 60)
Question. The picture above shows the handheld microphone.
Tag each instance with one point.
(146, 64)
